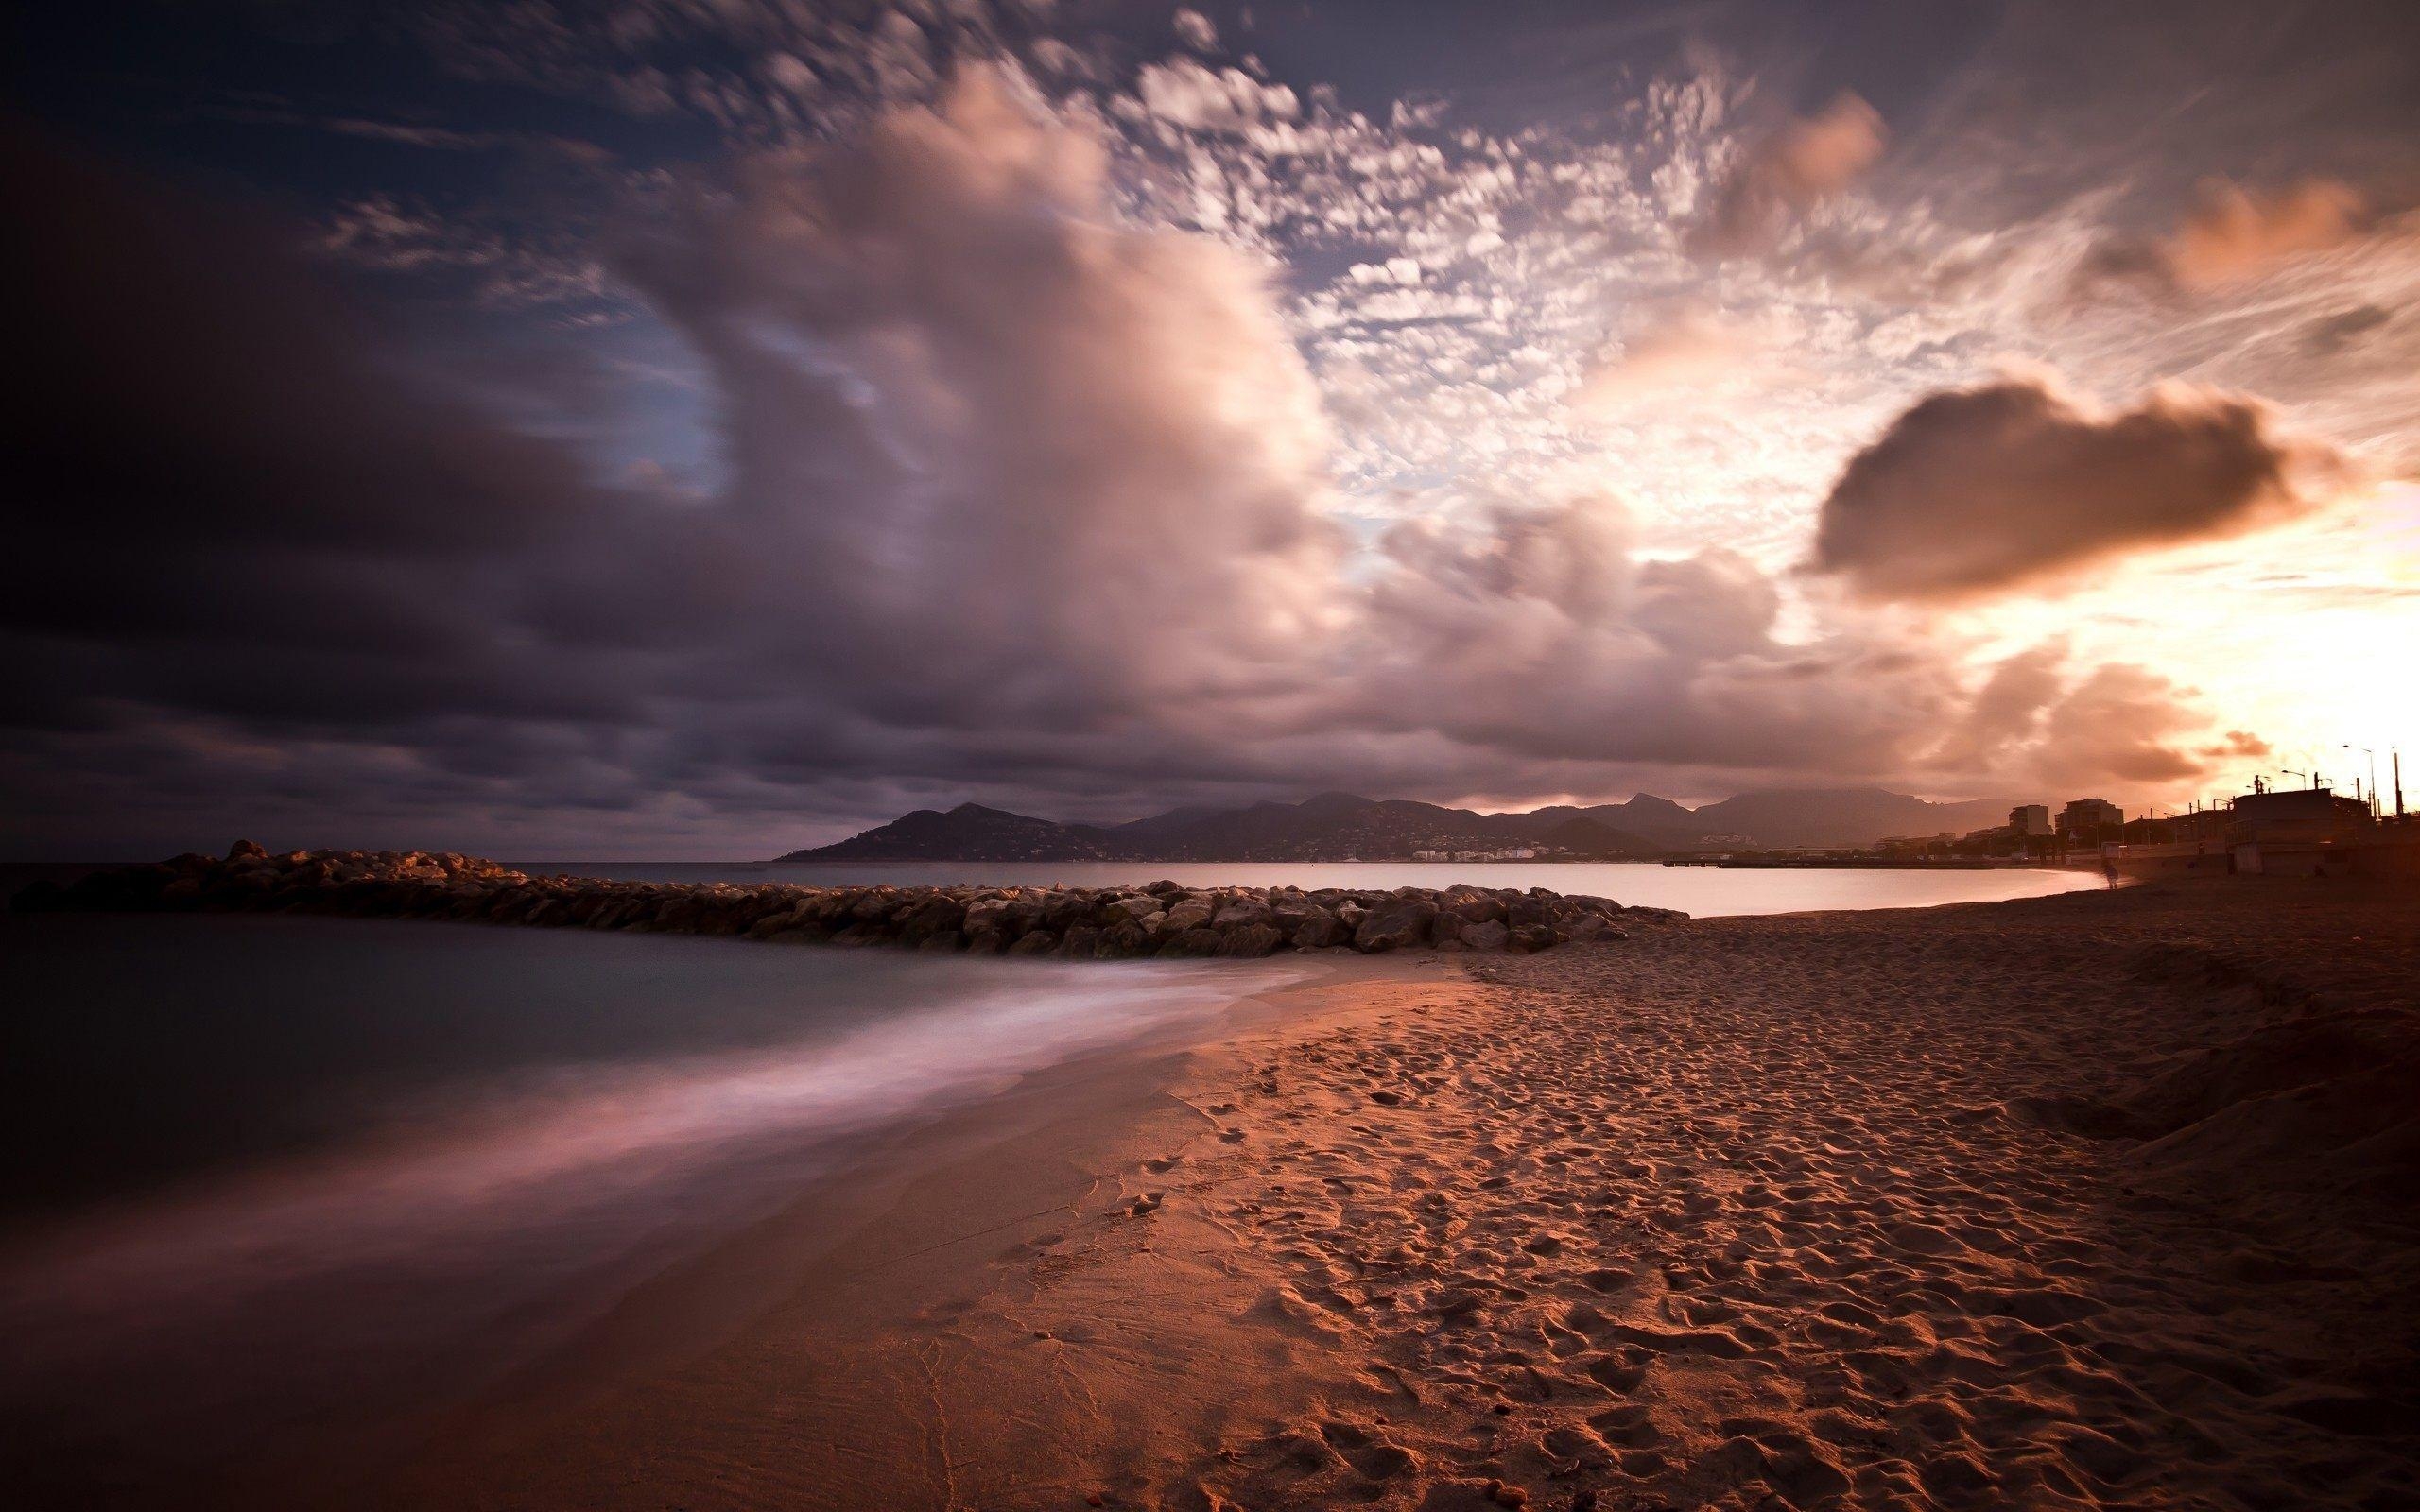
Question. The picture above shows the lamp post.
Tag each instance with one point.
(2374, 776)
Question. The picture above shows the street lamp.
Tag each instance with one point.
(2374, 776)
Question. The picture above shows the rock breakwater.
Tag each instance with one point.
(1109, 923)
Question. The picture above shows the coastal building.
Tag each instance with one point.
(2031, 821)
(2299, 832)
(2297, 813)
(2084, 818)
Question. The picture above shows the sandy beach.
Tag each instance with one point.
(999, 756)
(2093, 1201)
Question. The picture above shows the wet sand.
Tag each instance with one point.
(2088, 1201)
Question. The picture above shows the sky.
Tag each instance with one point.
(702, 428)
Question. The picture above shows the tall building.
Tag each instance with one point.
(2086, 816)
(2031, 821)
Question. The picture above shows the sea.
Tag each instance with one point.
(251, 1166)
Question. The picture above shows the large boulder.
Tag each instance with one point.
(1187, 913)
(1122, 942)
(984, 914)
(1473, 906)
(1529, 938)
(1320, 931)
(934, 916)
(1487, 935)
(1399, 923)
(1022, 915)
(1132, 908)
(1242, 912)
(1249, 940)
(604, 914)
(1193, 942)
(1530, 909)
(1035, 942)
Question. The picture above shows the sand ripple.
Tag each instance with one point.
(1980, 1210)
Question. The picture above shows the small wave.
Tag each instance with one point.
(532, 1183)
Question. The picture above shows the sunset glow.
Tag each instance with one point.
(717, 422)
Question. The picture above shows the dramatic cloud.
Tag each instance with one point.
(230, 502)
(2232, 233)
(1050, 409)
(1787, 173)
(993, 454)
(1542, 633)
(1976, 490)
(2051, 726)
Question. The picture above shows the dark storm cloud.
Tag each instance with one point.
(232, 513)
(187, 381)
(230, 506)
(1978, 490)
(1017, 500)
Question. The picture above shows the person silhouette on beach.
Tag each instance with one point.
(2109, 870)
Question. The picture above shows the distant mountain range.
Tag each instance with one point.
(1341, 827)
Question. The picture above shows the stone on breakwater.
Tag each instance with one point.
(1397, 924)
(1190, 914)
(1319, 932)
(1096, 923)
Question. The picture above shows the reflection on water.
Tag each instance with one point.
(444, 1145)
(1705, 892)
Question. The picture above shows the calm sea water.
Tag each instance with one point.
(1705, 892)
(258, 1171)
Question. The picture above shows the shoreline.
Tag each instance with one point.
(903, 1239)
(1434, 1272)
(1889, 1208)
